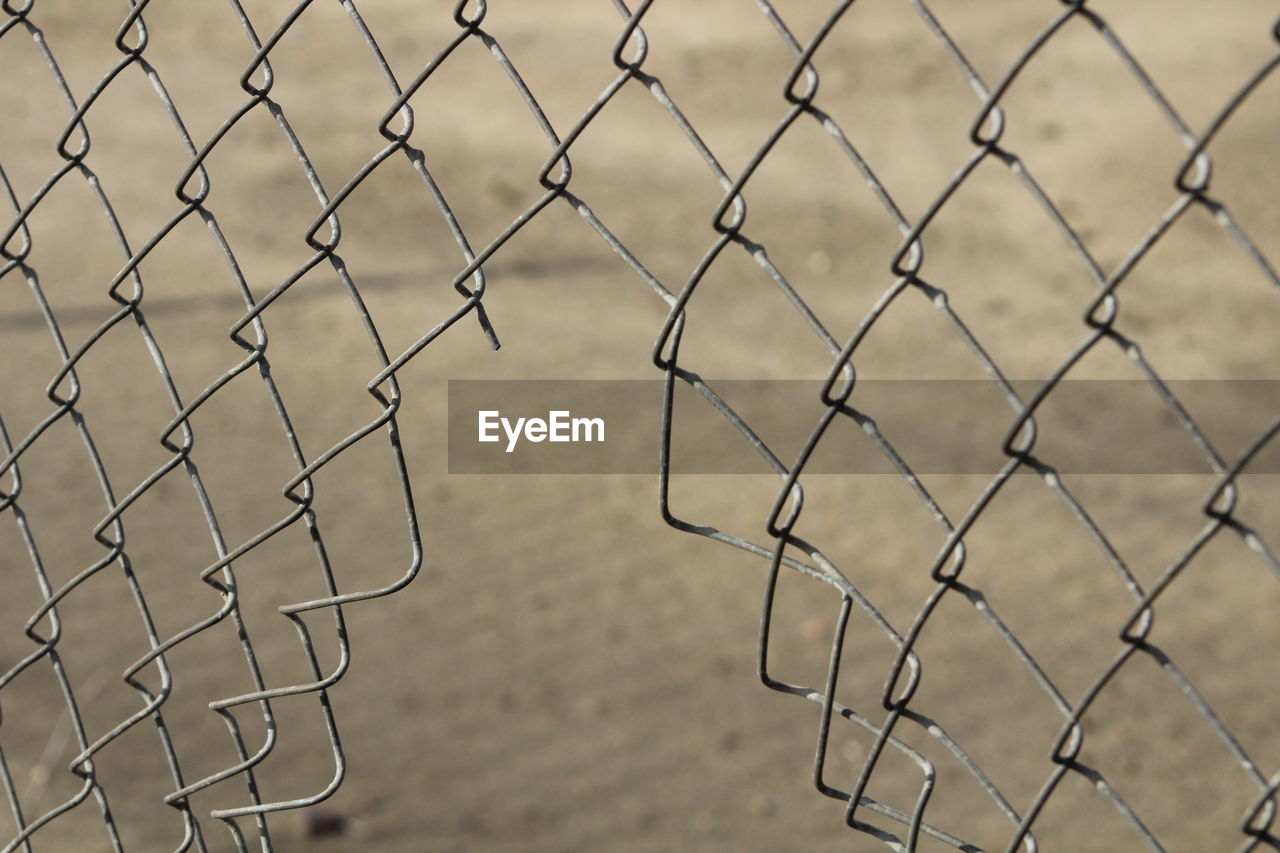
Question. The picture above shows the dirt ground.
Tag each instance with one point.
(567, 672)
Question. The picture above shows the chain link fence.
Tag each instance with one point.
(154, 435)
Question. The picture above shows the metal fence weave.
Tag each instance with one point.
(237, 786)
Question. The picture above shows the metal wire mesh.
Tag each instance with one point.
(244, 810)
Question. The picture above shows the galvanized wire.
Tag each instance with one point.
(907, 273)
(1099, 320)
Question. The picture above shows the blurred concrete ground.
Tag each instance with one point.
(568, 672)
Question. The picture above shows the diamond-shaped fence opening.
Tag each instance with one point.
(245, 244)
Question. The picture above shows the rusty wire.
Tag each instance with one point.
(798, 100)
